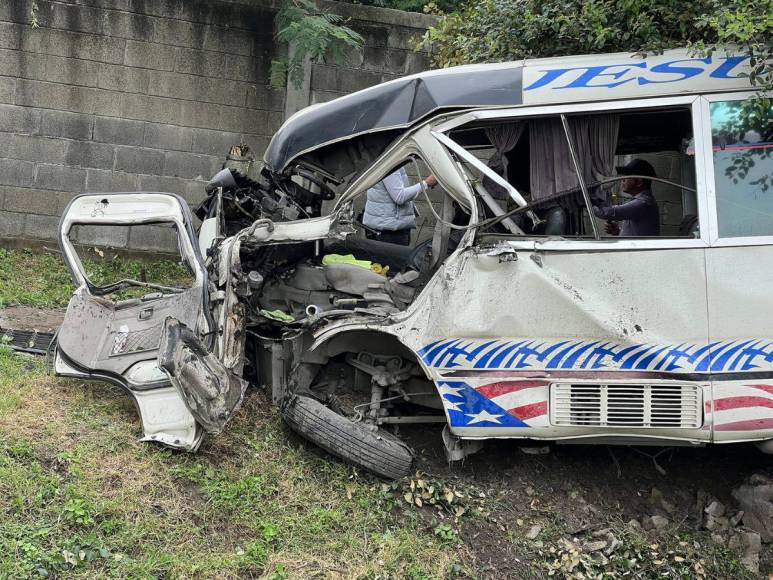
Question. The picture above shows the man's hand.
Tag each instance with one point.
(612, 228)
(431, 181)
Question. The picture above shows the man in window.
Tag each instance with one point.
(640, 216)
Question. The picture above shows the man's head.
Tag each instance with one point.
(637, 167)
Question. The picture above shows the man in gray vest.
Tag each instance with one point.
(390, 214)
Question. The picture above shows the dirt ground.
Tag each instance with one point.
(580, 489)
(30, 318)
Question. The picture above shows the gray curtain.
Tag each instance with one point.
(595, 140)
(552, 170)
(551, 163)
(504, 137)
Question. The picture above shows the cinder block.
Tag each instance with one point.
(16, 172)
(374, 35)
(256, 143)
(351, 80)
(178, 33)
(123, 78)
(148, 55)
(72, 18)
(106, 4)
(373, 58)
(324, 96)
(99, 181)
(165, 8)
(118, 131)
(197, 88)
(135, 160)
(194, 193)
(396, 61)
(100, 235)
(324, 78)
(244, 68)
(228, 40)
(191, 190)
(189, 165)
(63, 199)
(10, 35)
(106, 103)
(416, 62)
(54, 96)
(158, 183)
(128, 25)
(70, 71)
(353, 57)
(274, 121)
(59, 177)
(200, 62)
(154, 109)
(158, 136)
(7, 89)
(18, 11)
(89, 154)
(246, 120)
(16, 63)
(63, 124)
(204, 115)
(11, 224)
(41, 227)
(18, 119)
(35, 201)
(403, 38)
(33, 148)
(85, 46)
(265, 97)
(34, 40)
(153, 238)
(220, 14)
(216, 143)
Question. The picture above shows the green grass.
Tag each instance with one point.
(79, 495)
(36, 279)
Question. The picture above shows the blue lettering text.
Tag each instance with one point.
(547, 78)
(594, 72)
(686, 72)
(721, 72)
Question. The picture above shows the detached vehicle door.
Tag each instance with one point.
(153, 338)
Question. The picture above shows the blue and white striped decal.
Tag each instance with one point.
(721, 356)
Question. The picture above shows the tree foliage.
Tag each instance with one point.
(505, 30)
(320, 36)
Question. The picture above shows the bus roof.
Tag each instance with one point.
(401, 103)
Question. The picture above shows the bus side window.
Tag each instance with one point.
(742, 147)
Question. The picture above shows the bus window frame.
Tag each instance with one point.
(714, 238)
(702, 138)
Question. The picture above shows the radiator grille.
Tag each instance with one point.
(586, 405)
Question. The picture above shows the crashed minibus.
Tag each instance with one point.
(513, 314)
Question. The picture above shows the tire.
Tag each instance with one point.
(375, 451)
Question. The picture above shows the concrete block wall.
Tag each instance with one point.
(149, 95)
(126, 95)
(388, 52)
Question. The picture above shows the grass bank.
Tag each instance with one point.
(81, 497)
